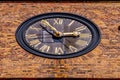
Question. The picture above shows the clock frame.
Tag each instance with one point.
(20, 34)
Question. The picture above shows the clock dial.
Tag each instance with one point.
(38, 37)
(58, 35)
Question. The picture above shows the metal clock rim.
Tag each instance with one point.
(20, 41)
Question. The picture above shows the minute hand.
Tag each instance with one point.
(57, 33)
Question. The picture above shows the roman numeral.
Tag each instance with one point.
(31, 36)
(71, 23)
(81, 42)
(58, 21)
(37, 44)
(45, 48)
(33, 42)
(85, 35)
(58, 50)
(35, 28)
(80, 28)
(73, 49)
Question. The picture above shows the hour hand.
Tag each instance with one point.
(73, 34)
(56, 32)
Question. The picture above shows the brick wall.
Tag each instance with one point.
(102, 62)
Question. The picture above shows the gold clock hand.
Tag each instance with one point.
(57, 33)
(74, 34)
(47, 30)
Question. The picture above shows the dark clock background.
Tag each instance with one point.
(102, 62)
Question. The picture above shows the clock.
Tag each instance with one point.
(58, 35)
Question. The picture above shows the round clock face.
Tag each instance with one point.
(58, 35)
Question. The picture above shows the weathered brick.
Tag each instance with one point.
(102, 62)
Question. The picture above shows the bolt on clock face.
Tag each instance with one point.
(58, 35)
